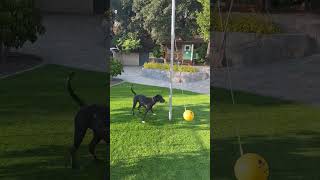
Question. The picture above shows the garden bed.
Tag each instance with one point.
(184, 76)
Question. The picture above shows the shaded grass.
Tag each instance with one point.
(36, 124)
(159, 149)
(286, 134)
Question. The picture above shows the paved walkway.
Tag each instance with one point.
(297, 80)
(133, 74)
(71, 40)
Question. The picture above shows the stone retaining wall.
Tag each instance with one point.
(184, 76)
(249, 49)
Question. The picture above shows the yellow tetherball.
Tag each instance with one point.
(251, 167)
(188, 115)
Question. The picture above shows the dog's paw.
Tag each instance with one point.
(143, 122)
(154, 114)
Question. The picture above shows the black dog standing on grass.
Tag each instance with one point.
(94, 117)
(146, 102)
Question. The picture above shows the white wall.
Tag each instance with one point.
(66, 6)
(128, 59)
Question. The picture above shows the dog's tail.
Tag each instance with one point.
(71, 92)
(133, 90)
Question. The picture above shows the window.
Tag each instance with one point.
(187, 48)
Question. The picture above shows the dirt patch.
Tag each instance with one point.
(115, 81)
(18, 62)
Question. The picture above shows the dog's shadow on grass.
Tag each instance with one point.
(202, 116)
(221, 96)
(289, 157)
(48, 162)
(192, 165)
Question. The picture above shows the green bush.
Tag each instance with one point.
(157, 52)
(247, 23)
(202, 52)
(116, 68)
(166, 67)
(20, 21)
(129, 42)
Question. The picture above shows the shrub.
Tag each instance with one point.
(116, 68)
(166, 67)
(157, 52)
(202, 52)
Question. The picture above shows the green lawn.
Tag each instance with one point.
(36, 124)
(286, 134)
(159, 149)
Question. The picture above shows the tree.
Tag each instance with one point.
(203, 21)
(155, 16)
(127, 24)
(20, 22)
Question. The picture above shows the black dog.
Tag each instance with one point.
(146, 102)
(94, 117)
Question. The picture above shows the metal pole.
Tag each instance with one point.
(172, 55)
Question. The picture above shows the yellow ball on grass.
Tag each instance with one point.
(188, 115)
(251, 167)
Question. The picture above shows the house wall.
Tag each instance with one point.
(66, 6)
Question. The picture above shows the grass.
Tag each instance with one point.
(166, 67)
(159, 149)
(36, 125)
(286, 134)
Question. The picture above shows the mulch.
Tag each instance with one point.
(17, 62)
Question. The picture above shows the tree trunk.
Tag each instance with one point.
(267, 5)
(165, 52)
(208, 54)
(260, 5)
(307, 5)
(3, 54)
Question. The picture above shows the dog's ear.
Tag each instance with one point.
(156, 97)
(71, 74)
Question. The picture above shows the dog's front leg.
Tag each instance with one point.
(152, 112)
(145, 115)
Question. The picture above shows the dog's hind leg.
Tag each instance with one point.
(79, 134)
(134, 106)
(92, 146)
(139, 108)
